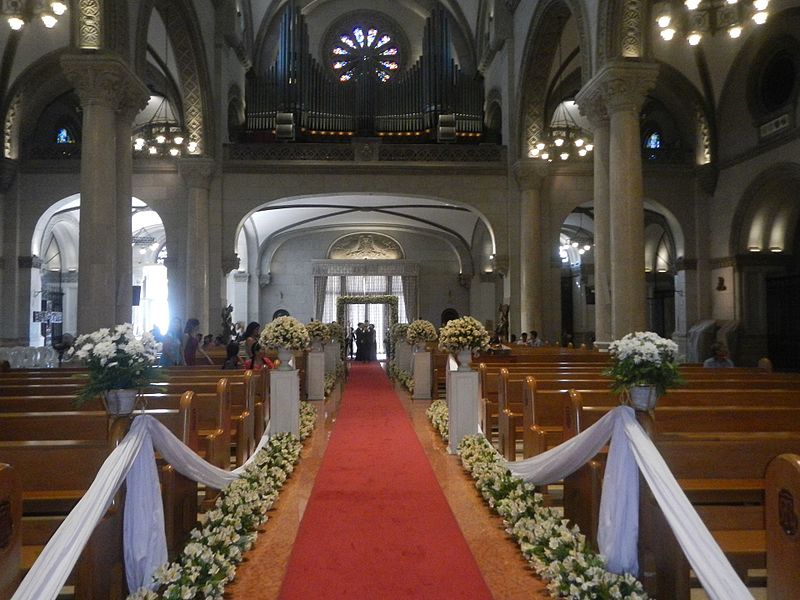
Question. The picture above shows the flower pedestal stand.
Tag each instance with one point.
(333, 354)
(402, 355)
(315, 375)
(463, 405)
(423, 373)
(284, 401)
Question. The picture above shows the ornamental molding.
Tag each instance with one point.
(230, 263)
(632, 45)
(104, 79)
(343, 268)
(375, 246)
(90, 24)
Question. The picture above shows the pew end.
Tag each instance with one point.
(783, 541)
(10, 530)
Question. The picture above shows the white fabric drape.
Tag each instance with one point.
(320, 284)
(617, 534)
(144, 540)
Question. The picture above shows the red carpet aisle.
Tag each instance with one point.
(377, 524)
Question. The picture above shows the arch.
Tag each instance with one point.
(494, 117)
(183, 28)
(448, 314)
(767, 214)
(547, 25)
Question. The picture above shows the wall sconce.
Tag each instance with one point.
(775, 249)
(754, 248)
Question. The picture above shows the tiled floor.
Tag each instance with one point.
(506, 573)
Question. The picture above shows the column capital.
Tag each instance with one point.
(197, 172)
(230, 263)
(104, 79)
(621, 85)
(530, 173)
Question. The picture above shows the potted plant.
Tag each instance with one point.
(643, 366)
(419, 333)
(462, 337)
(286, 334)
(119, 365)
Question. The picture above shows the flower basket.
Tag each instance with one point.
(466, 333)
(285, 332)
(420, 332)
(643, 358)
(116, 360)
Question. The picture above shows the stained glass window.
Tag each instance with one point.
(653, 141)
(365, 51)
(63, 136)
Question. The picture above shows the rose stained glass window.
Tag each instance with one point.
(366, 51)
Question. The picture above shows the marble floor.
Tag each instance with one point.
(505, 572)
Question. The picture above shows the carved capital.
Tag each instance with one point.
(197, 173)
(241, 276)
(592, 105)
(264, 279)
(104, 79)
(621, 85)
(530, 173)
(29, 262)
(230, 263)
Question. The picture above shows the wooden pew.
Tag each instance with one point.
(10, 530)
(783, 546)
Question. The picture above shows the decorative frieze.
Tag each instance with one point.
(339, 268)
(90, 24)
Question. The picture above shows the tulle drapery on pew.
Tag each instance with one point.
(619, 506)
(145, 545)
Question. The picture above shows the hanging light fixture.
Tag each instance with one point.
(696, 19)
(20, 12)
(162, 136)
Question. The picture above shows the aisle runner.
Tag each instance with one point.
(377, 524)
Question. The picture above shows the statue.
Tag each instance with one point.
(227, 323)
(502, 323)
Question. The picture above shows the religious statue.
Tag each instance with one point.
(502, 323)
(227, 323)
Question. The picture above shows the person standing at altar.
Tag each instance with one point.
(372, 344)
(360, 342)
(351, 340)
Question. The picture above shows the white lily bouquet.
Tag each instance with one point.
(421, 331)
(644, 358)
(319, 330)
(466, 333)
(285, 332)
(116, 359)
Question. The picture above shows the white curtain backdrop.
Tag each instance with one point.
(144, 539)
(619, 506)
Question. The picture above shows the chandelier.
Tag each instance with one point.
(695, 19)
(564, 138)
(162, 137)
(20, 12)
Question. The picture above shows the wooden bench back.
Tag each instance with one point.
(783, 546)
(10, 529)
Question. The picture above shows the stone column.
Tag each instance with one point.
(530, 175)
(197, 174)
(13, 307)
(622, 85)
(593, 106)
(104, 83)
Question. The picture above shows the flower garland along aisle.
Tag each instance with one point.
(208, 561)
(556, 551)
(398, 333)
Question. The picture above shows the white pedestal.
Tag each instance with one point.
(422, 376)
(315, 375)
(463, 405)
(402, 356)
(284, 401)
(332, 356)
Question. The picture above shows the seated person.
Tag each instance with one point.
(522, 341)
(534, 340)
(232, 361)
(257, 360)
(719, 358)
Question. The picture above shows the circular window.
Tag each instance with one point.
(365, 51)
(778, 80)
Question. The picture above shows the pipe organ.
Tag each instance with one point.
(405, 108)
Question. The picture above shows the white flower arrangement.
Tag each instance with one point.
(466, 333)
(208, 561)
(420, 331)
(116, 359)
(440, 418)
(405, 378)
(556, 551)
(336, 331)
(285, 332)
(319, 330)
(644, 358)
(398, 332)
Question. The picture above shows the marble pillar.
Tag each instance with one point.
(197, 174)
(530, 174)
(593, 106)
(15, 317)
(124, 250)
(105, 85)
(622, 85)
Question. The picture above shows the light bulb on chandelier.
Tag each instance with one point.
(18, 13)
(699, 19)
